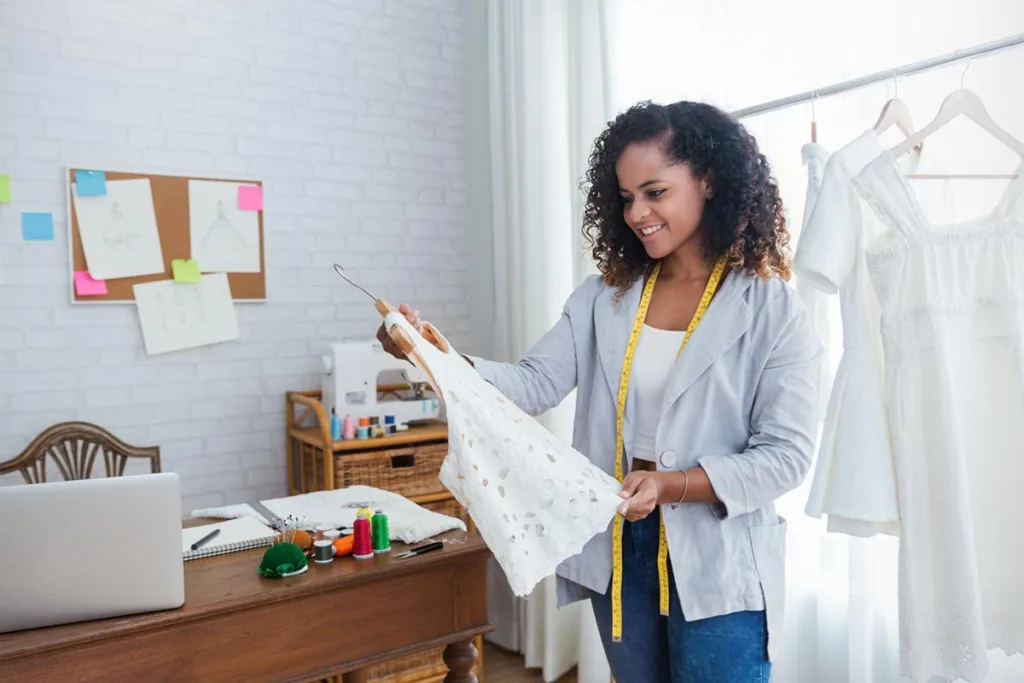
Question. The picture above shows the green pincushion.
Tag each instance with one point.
(281, 559)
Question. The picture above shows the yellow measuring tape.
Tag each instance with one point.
(627, 365)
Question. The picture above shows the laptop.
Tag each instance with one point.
(90, 549)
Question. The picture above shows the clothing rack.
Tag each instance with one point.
(880, 76)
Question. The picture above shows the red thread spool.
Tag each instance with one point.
(362, 543)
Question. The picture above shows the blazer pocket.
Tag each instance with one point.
(769, 545)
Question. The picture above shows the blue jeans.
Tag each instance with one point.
(732, 648)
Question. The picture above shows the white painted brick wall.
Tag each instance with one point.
(351, 113)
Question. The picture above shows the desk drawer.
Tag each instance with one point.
(410, 471)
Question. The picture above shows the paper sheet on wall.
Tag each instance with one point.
(223, 237)
(118, 230)
(177, 316)
(535, 500)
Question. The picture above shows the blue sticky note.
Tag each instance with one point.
(90, 183)
(37, 226)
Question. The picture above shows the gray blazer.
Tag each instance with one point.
(740, 402)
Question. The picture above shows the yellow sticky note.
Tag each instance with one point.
(185, 271)
(5, 189)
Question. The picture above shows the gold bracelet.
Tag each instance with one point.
(686, 485)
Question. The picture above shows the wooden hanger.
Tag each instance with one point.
(814, 119)
(401, 339)
(966, 103)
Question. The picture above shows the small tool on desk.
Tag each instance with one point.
(437, 545)
(272, 519)
(205, 539)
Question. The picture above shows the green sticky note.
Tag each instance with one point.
(5, 189)
(185, 271)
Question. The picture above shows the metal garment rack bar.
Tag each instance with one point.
(880, 76)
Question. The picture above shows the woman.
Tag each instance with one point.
(681, 208)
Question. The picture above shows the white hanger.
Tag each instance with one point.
(895, 113)
(967, 103)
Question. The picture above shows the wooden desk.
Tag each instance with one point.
(237, 626)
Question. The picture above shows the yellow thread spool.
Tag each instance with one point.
(627, 364)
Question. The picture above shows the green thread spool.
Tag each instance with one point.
(380, 532)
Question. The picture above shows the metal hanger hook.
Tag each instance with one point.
(340, 270)
(814, 98)
(963, 75)
(895, 83)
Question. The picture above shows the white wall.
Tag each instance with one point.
(479, 200)
(350, 111)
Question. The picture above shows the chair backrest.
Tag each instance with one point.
(75, 447)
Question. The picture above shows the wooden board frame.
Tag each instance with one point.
(170, 203)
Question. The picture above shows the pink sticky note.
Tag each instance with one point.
(250, 197)
(85, 285)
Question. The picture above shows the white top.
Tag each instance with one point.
(855, 442)
(653, 359)
(951, 299)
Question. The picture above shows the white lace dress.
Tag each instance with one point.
(952, 301)
(535, 500)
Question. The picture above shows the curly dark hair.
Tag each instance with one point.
(743, 217)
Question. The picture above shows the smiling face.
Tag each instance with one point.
(663, 201)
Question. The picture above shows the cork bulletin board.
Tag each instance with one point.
(171, 206)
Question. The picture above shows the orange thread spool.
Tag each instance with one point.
(343, 546)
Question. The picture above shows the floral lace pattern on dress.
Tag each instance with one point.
(535, 500)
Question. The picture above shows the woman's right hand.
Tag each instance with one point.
(385, 339)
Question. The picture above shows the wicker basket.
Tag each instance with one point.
(410, 471)
(422, 667)
(452, 508)
(415, 668)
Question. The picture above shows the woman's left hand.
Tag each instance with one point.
(641, 490)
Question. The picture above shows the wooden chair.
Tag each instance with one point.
(75, 447)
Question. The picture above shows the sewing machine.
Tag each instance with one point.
(362, 380)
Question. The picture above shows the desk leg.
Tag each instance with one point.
(460, 658)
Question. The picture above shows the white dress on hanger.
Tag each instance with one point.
(952, 324)
(535, 500)
(853, 481)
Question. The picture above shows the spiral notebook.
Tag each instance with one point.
(243, 533)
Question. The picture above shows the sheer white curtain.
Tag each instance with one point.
(842, 609)
(547, 104)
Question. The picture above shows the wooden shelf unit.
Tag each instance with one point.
(407, 463)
